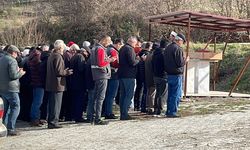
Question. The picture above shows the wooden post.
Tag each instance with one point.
(149, 31)
(215, 64)
(239, 76)
(236, 81)
(223, 52)
(208, 44)
(187, 53)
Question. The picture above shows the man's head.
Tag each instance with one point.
(139, 41)
(148, 46)
(13, 51)
(132, 41)
(45, 47)
(105, 41)
(59, 46)
(118, 43)
(86, 44)
(74, 48)
(180, 39)
(163, 43)
(172, 36)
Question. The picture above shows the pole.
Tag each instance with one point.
(187, 53)
(149, 32)
(239, 76)
(215, 64)
(241, 72)
(223, 52)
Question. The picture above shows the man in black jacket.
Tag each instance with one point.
(174, 65)
(77, 83)
(160, 77)
(127, 75)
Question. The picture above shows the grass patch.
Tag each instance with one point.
(219, 105)
(13, 17)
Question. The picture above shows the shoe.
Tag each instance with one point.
(101, 122)
(111, 116)
(35, 123)
(150, 112)
(42, 122)
(13, 133)
(56, 126)
(127, 118)
(82, 120)
(68, 119)
(173, 116)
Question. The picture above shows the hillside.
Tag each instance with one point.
(16, 16)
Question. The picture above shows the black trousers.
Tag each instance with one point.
(44, 107)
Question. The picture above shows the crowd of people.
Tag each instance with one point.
(65, 82)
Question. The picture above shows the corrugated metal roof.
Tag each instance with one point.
(201, 20)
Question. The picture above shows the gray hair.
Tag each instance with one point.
(132, 39)
(59, 44)
(74, 47)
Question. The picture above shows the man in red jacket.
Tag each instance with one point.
(113, 82)
(100, 68)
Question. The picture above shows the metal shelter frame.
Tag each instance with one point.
(204, 21)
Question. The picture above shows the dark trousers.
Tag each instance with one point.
(44, 107)
(25, 102)
(140, 95)
(77, 104)
(55, 102)
(161, 93)
(66, 112)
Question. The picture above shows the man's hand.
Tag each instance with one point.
(111, 59)
(143, 57)
(21, 71)
(187, 59)
(69, 71)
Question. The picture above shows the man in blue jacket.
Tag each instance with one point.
(10, 74)
(174, 66)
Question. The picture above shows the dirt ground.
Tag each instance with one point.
(206, 123)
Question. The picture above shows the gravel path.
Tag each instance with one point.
(216, 131)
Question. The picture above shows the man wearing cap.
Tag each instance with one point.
(174, 66)
(172, 36)
(10, 74)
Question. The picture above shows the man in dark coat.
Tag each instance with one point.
(160, 77)
(174, 65)
(77, 83)
(127, 75)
